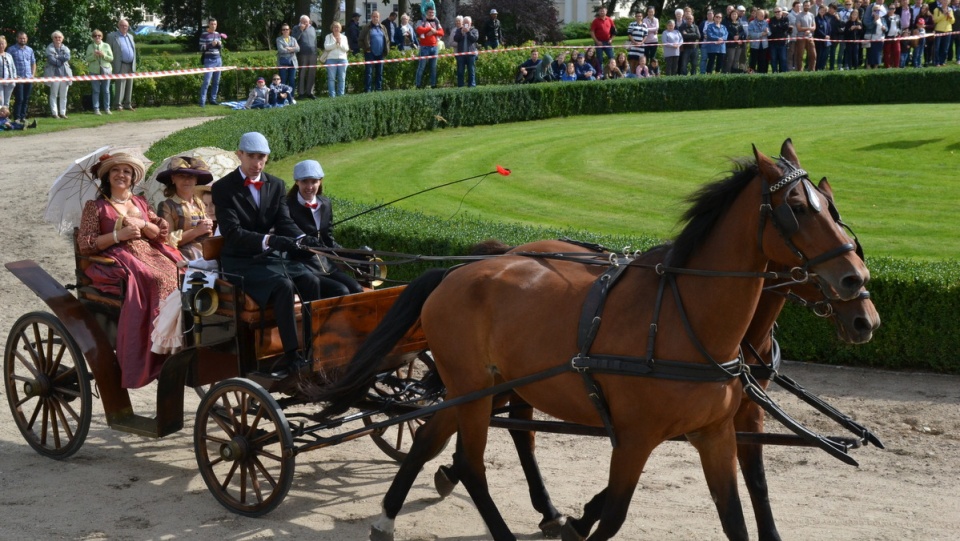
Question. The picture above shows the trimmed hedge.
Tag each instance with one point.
(916, 300)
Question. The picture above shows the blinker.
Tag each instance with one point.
(785, 219)
(812, 198)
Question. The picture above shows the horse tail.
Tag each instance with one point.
(490, 247)
(360, 374)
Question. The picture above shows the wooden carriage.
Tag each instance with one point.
(52, 360)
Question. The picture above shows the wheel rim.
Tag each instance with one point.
(47, 385)
(395, 440)
(244, 447)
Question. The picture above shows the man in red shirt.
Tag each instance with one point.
(602, 30)
(428, 32)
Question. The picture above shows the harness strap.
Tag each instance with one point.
(594, 303)
(652, 334)
(693, 336)
(595, 393)
(660, 369)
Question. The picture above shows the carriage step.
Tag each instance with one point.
(136, 424)
(276, 382)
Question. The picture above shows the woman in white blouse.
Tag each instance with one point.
(336, 47)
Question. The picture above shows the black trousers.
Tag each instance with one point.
(273, 282)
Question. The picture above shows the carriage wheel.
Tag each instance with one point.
(47, 384)
(395, 440)
(244, 447)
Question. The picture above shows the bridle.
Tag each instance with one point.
(785, 221)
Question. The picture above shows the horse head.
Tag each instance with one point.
(797, 228)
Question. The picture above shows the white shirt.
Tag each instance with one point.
(256, 199)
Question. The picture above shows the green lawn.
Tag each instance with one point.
(893, 169)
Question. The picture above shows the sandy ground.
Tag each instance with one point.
(120, 486)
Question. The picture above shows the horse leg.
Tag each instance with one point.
(717, 446)
(577, 529)
(525, 442)
(428, 441)
(447, 477)
(626, 465)
(749, 418)
(473, 425)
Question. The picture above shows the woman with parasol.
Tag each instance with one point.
(183, 209)
(120, 226)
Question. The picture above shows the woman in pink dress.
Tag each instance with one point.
(122, 227)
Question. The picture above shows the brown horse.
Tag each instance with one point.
(855, 321)
(518, 316)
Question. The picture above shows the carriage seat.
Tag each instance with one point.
(86, 287)
(232, 302)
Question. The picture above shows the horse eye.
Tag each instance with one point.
(799, 209)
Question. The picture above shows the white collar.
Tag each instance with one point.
(303, 201)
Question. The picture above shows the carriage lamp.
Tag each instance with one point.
(375, 272)
(198, 299)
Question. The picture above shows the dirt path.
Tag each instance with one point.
(122, 487)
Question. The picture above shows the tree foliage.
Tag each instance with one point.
(74, 19)
(252, 22)
(521, 20)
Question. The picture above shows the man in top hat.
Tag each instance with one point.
(255, 222)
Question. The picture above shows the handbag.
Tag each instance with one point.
(324, 56)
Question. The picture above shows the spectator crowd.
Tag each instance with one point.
(809, 36)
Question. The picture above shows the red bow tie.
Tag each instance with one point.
(255, 183)
(311, 205)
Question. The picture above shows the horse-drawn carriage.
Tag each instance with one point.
(391, 359)
(52, 361)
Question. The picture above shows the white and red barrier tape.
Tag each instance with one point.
(200, 71)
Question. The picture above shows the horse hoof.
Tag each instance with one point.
(568, 533)
(377, 534)
(443, 483)
(551, 527)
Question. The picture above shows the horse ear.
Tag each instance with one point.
(825, 187)
(766, 166)
(788, 153)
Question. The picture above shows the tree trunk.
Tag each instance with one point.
(301, 7)
(404, 8)
(328, 14)
(351, 9)
(447, 16)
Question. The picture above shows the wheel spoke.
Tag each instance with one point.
(54, 423)
(224, 421)
(49, 353)
(58, 407)
(59, 357)
(254, 481)
(37, 346)
(36, 412)
(229, 476)
(30, 366)
(63, 405)
(43, 422)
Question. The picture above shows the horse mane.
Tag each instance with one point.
(707, 205)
